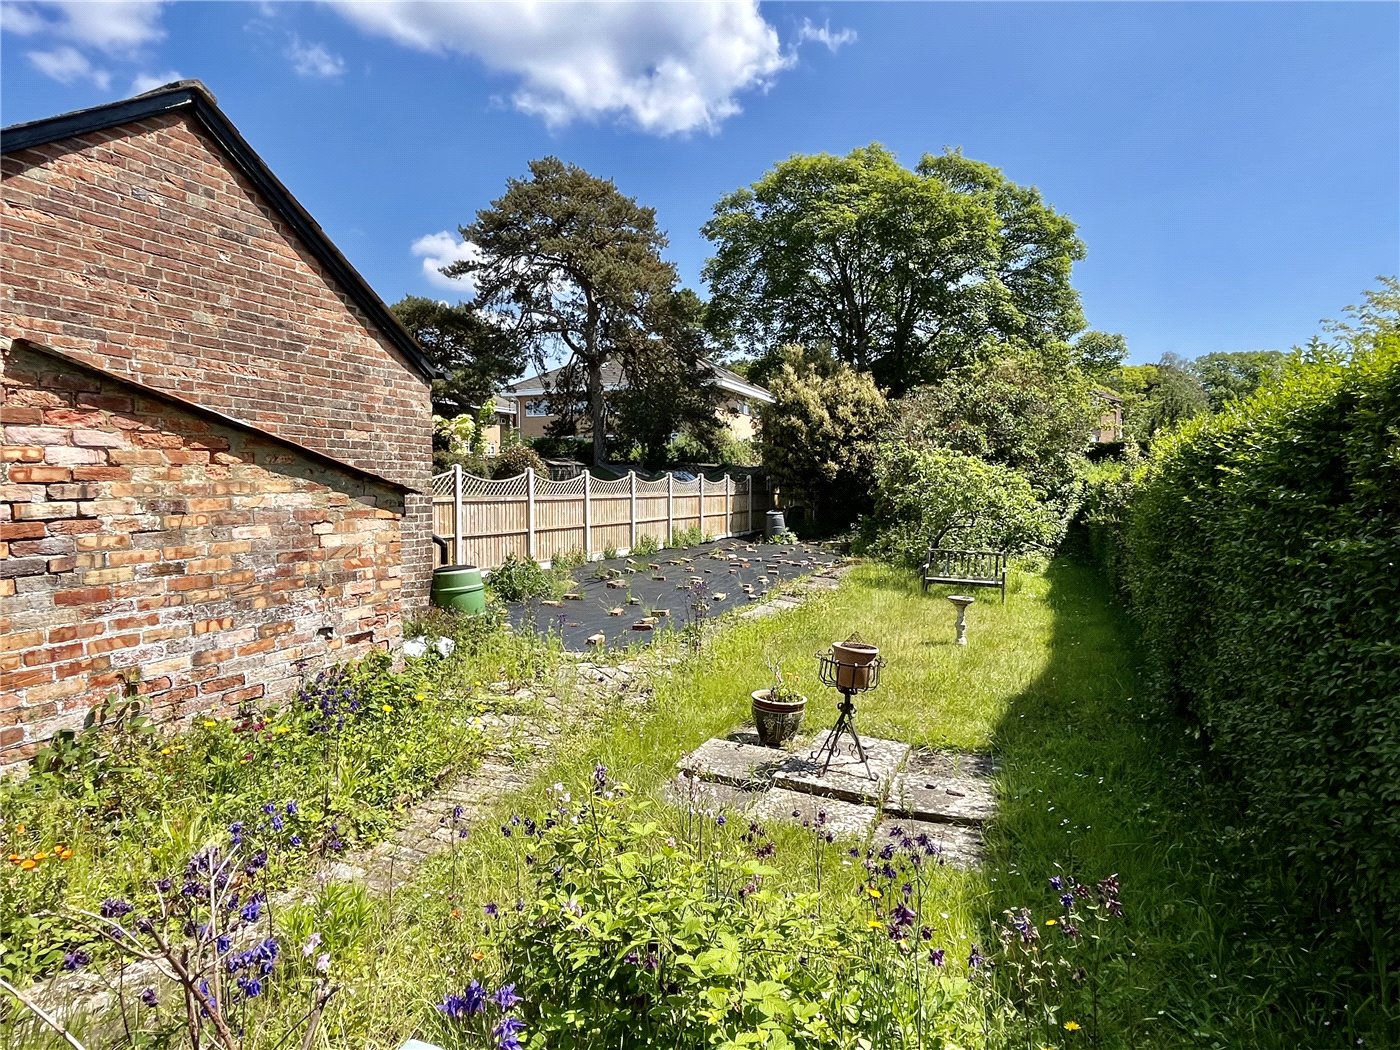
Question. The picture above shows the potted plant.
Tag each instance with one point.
(854, 663)
(777, 710)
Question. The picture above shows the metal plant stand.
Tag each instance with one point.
(849, 680)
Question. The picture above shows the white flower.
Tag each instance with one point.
(323, 962)
(444, 646)
(415, 647)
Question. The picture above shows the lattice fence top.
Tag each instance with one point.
(686, 487)
(502, 487)
(604, 487)
(657, 485)
(548, 487)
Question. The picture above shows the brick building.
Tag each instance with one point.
(217, 439)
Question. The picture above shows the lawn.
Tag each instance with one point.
(1093, 783)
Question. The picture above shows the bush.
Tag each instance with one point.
(646, 545)
(514, 459)
(1263, 563)
(922, 494)
(521, 579)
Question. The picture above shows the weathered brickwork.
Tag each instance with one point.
(144, 544)
(144, 250)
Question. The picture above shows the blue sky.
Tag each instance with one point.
(1234, 168)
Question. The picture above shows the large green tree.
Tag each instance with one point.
(905, 274)
(1227, 377)
(576, 268)
(475, 356)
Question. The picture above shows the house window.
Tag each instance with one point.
(743, 408)
(537, 408)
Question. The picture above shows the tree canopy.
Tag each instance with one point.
(1227, 377)
(905, 274)
(475, 356)
(575, 269)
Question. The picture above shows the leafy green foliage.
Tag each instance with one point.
(927, 493)
(647, 544)
(1028, 410)
(475, 355)
(905, 274)
(818, 438)
(1227, 377)
(515, 460)
(630, 937)
(1261, 552)
(523, 579)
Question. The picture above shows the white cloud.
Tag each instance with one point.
(442, 249)
(823, 35)
(150, 81)
(313, 60)
(113, 26)
(665, 67)
(68, 64)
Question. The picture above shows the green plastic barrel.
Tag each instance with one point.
(459, 587)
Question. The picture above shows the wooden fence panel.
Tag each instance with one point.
(485, 521)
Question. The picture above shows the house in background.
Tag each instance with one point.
(532, 413)
(217, 438)
(1110, 423)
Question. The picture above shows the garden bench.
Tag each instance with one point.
(965, 568)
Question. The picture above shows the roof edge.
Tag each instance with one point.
(194, 95)
(20, 343)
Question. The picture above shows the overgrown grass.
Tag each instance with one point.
(1092, 782)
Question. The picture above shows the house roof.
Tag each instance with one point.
(196, 99)
(197, 409)
(730, 382)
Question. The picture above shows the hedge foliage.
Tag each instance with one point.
(1260, 549)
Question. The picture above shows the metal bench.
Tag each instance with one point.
(965, 568)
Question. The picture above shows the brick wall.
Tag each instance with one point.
(145, 251)
(142, 538)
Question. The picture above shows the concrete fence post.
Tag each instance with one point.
(632, 511)
(459, 541)
(588, 515)
(530, 511)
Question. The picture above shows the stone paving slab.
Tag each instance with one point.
(842, 818)
(959, 846)
(729, 762)
(708, 797)
(846, 777)
(936, 786)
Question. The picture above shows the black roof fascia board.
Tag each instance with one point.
(197, 97)
(195, 408)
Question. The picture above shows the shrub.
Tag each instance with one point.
(521, 579)
(1264, 569)
(646, 546)
(690, 536)
(925, 493)
(514, 459)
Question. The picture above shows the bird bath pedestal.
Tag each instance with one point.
(962, 601)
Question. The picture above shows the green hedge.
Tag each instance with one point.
(1261, 554)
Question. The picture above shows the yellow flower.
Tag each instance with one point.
(388, 707)
(874, 892)
(165, 751)
(1071, 1026)
(210, 723)
(478, 956)
(65, 855)
(41, 855)
(1051, 922)
(28, 865)
(280, 730)
(874, 925)
(19, 829)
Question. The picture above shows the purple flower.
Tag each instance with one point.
(468, 1004)
(456, 814)
(251, 986)
(269, 808)
(235, 831)
(292, 809)
(148, 996)
(505, 997)
(1056, 883)
(506, 1033)
(253, 908)
(936, 956)
(277, 822)
(1066, 900)
(903, 915)
(295, 840)
(720, 820)
(76, 960)
(600, 778)
(114, 908)
(492, 910)
(222, 943)
(976, 959)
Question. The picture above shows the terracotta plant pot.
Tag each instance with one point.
(776, 722)
(853, 664)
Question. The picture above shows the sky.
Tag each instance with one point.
(1234, 169)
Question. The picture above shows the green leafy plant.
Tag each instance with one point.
(690, 536)
(521, 579)
(647, 545)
